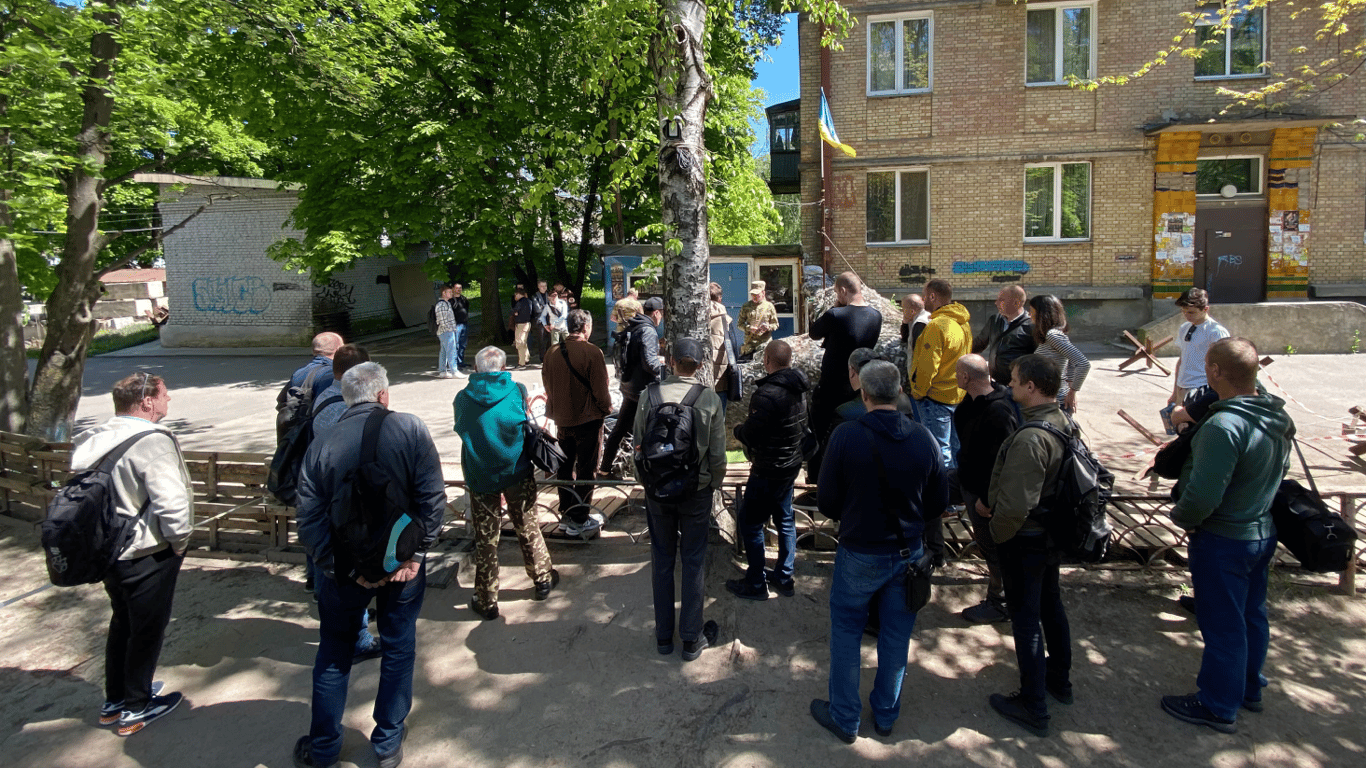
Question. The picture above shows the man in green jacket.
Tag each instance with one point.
(679, 529)
(1237, 462)
(1026, 471)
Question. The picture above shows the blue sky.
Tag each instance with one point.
(778, 78)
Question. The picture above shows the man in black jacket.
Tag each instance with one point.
(644, 367)
(985, 418)
(772, 436)
(1008, 334)
(460, 306)
(884, 480)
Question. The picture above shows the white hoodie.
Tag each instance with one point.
(152, 469)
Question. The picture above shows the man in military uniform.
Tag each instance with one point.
(758, 319)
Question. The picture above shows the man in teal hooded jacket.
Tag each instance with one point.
(489, 413)
(1237, 461)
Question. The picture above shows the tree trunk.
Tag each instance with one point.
(13, 363)
(492, 320)
(683, 90)
(552, 215)
(71, 322)
(586, 233)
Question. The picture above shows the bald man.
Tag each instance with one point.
(1237, 462)
(1008, 335)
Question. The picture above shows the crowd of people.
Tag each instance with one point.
(891, 454)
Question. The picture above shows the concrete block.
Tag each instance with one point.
(105, 309)
(150, 290)
(1311, 327)
(236, 335)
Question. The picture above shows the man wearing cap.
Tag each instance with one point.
(680, 528)
(758, 319)
(642, 367)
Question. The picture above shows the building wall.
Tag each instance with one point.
(225, 291)
(980, 124)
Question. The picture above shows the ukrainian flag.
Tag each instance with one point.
(828, 129)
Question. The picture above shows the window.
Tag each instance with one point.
(899, 54)
(1058, 201)
(1235, 51)
(1058, 42)
(784, 135)
(1244, 173)
(899, 206)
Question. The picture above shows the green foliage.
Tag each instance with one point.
(1356, 342)
(122, 338)
(1289, 349)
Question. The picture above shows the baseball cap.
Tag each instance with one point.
(755, 291)
(653, 304)
(687, 349)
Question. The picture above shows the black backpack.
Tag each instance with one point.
(666, 453)
(623, 358)
(433, 327)
(1320, 539)
(375, 528)
(83, 534)
(288, 461)
(1074, 510)
(294, 404)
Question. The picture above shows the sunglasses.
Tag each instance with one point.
(146, 379)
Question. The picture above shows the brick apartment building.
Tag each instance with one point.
(976, 162)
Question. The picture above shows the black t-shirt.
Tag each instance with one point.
(461, 307)
(844, 330)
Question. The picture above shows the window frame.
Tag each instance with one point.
(1260, 178)
(1206, 11)
(1057, 202)
(896, 206)
(1058, 7)
(900, 65)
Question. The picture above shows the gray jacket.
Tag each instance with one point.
(405, 448)
(151, 471)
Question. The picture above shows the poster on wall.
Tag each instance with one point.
(1174, 254)
(1288, 244)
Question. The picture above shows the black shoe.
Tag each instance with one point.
(303, 754)
(392, 761)
(372, 651)
(883, 732)
(1063, 693)
(694, 648)
(110, 711)
(1253, 705)
(786, 588)
(746, 591)
(665, 647)
(1013, 710)
(820, 712)
(985, 612)
(160, 706)
(488, 614)
(308, 585)
(1189, 709)
(543, 589)
(1187, 603)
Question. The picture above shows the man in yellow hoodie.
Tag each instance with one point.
(934, 384)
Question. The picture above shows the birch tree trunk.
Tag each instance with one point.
(71, 322)
(13, 363)
(683, 90)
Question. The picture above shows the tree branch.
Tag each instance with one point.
(152, 243)
(161, 163)
(47, 38)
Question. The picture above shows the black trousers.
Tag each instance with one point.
(626, 422)
(140, 591)
(1029, 568)
(580, 444)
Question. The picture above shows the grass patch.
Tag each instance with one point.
(122, 338)
(735, 457)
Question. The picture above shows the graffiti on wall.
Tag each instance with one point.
(336, 296)
(999, 270)
(915, 274)
(231, 295)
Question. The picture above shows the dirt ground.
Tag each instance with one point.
(575, 681)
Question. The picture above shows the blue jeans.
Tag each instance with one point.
(462, 334)
(446, 362)
(938, 419)
(768, 498)
(860, 579)
(1229, 577)
(363, 638)
(1029, 571)
(398, 606)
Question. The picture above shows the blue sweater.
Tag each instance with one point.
(850, 490)
(489, 413)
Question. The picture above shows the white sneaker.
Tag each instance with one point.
(458, 375)
(569, 528)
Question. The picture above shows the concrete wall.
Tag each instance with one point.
(224, 291)
(1311, 327)
(980, 124)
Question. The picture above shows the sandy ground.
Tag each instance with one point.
(575, 681)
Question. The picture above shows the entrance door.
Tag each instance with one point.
(1230, 254)
(733, 277)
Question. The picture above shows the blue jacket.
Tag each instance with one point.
(320, 382)
(850, 490)
(489, 413)
(407, 451)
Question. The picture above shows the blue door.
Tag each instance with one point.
(733, 278)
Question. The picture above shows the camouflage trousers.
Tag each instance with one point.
(487, 512)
